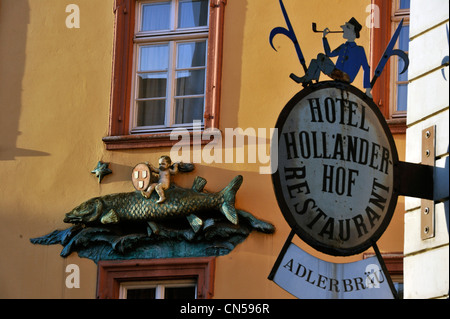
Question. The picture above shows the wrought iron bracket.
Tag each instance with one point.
(414, 180)
(417, 180)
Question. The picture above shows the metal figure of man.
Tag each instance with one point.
(351, 58)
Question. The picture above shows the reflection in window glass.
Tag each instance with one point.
(405, 4)
(155, 16)
(170, 72)
(151, 112)
(402, 79)
(191, 54)
(402, 97)
(172, 289)
(188, 110)
(154, 57)
(152, 85)
(179, 292)
(404, 38)
(190, 82)
(193, 13)
(146, 293)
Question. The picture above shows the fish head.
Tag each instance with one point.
(87, 212)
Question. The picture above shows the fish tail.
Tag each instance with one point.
(229, 196)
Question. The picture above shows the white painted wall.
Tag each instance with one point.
(426, 263)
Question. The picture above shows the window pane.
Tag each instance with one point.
(404, 38)
(188, 110)
(154, 57)
(404, 46)
(155, 16)
(402, 89)
(152, 85)
(402, 97)
(147, 293)
(190, 82)
(151, 113)
(179, 293)
(405, 4)
(193, 13)
(192, 54)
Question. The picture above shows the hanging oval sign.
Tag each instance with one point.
(335, 177)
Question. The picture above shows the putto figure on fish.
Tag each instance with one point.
(180, 203)
(164, 172)
(170, 202)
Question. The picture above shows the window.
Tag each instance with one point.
(391, 90)
(170, 68)
(166, 72)
(178, 278)
(172, 289)
(399, 98)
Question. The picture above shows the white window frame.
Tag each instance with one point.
(172, 37)
(160, 286)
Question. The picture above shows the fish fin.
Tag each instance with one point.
(229, 196)
(208, 223)
(195, 222)
(152, 228)
(199, 184)
(256, 223)
(230, 212)
(110, 218)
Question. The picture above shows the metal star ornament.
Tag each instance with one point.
(101, 170)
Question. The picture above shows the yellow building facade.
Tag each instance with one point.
(56, 93)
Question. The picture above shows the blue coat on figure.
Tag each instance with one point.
(351, 58)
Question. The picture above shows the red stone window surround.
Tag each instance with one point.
(112, 273)
(119, 136)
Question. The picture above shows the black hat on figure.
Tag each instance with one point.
(357, 26)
